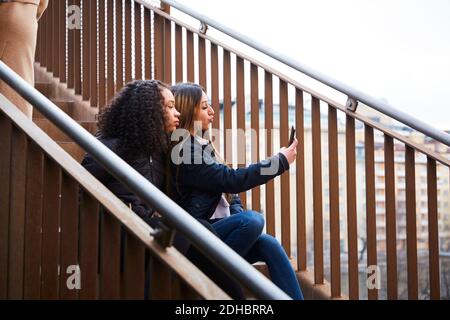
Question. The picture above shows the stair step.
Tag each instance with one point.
(73, 149)
(56, 134)
(55, 90)
(46, 88)
(66, 106)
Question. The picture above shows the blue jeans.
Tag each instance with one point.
(242, 232)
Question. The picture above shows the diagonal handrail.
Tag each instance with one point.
(351, 92)
(222, 255)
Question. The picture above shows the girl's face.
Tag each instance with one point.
(171, 114)
(204, 113)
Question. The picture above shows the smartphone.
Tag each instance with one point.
(291, 138)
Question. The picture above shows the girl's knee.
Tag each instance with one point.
(252, 221)
(269, 239)
(255, 220)
(269, 243)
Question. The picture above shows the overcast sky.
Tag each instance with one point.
(398, 50)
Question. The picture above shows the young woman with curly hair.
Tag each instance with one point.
(200, 181)
(136, 126)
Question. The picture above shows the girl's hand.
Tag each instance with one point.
(290, 152)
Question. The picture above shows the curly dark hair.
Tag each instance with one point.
(135, 116)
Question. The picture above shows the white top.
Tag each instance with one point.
(223, 207)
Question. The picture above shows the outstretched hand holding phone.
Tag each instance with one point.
(292, 136)
(291, 152)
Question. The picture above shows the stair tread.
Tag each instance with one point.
(81, 122)
(56, 134)
(65, 105)
(44, 87)
(41, 83)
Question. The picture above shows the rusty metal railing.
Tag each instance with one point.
(328, 210)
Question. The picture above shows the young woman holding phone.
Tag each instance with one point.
(207, 188)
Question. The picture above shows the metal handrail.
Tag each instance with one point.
(351, 92)
(216, 250)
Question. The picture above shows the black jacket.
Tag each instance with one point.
(151, 167)
(198, 179)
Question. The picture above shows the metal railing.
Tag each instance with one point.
(201, 238)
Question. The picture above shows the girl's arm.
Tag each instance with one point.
(216, 177)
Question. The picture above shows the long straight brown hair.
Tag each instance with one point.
(188, 96)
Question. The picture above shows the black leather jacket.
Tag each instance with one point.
(198, 180)
(151, 167)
